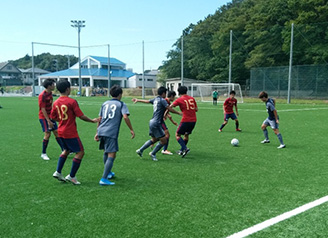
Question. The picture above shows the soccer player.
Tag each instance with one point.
(272, 120)
(156, 131)
(215, 97)
(228, 105)
(65, 110)
(110, 117)
(48, 125)
(188, 107)
(170, 98)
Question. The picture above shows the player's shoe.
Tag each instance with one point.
(139, 152)
(45, 157)
(265, 141)
(167, 152)
(238, 129)
(153, 157)
(219, 130)
(179, 152)
(105, 182)
(281, 146)
(111, 175)
(59, 176)
(73, 180)
(185, 152)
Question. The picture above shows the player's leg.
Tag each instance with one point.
(237, 125)
(225, 121)
(75, 145)
(147, 144)
(277, 132)
(55, 132)
(60, 164)
(189, 128)
(181, 131)
(165, 147)
(45, 143)
(108, 174)
(264, 126)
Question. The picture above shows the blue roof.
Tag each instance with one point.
(91, 72)
(104, 60)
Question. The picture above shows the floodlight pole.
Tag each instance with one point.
(230, 59)
(79, 24)
(109, 73)
(143, 69)
(290, 62)
(182, 79)
(33, 72)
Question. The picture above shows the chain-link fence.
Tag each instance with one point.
(307, 81)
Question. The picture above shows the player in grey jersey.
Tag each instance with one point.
(111, 114)
(156, 131)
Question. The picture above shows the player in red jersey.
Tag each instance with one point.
(45, 105)
(188, 107)
(65, 110)
(228, 105)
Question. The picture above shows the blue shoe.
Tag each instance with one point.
(105, 182)
(111, 175)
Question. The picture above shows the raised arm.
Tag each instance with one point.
(135, 100)
(87, 119)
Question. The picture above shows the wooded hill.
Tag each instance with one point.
(261, 36)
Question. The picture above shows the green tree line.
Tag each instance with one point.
(46, 61)
(261, 35)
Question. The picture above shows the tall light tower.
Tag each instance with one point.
(79, 24)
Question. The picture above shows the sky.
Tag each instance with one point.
(123, 24)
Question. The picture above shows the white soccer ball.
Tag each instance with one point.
(235, 142)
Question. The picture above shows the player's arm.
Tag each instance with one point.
(44, 112)
(135, 100)
(87, 119)
(96, 136)
(128, 123)
(171, 119)
(170, 109)
(276, 116)
(236, 108)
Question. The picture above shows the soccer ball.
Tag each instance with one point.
(235, 142)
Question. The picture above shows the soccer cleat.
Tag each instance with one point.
(167, 152)
(139, 152)
(185, 152)
(111, 175)
(153, 157)
(179, 152)
(59, 176)
(238, 130)
(281, 146)
(105, 182)
(73, 180)
(265, 141)
(45, 157)
(219, 130)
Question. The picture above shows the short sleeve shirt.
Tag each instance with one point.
(270, 108)
(111, 113)
(45, 101)
(188, 108)
(159, 108)
(66, 109)
(228, 104)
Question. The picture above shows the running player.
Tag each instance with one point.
(47, 125)
(110, 117)
(228, 105)
(272, 120)
(65, 110)
(156, 131)
(188, 107)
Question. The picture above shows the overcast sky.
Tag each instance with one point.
(122, 24)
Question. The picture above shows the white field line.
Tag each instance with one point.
(279, 218)
(279, 110)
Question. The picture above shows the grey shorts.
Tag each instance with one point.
(156, 130)
(272, 123)
(109, 145)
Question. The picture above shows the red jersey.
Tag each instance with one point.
(188, 107)
(228, 105)
(65, 110)
(45, 101)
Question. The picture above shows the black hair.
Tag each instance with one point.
(115, 91)
(232, 92)
(263, 94)
(48, 82)
(171, 93)
(182, 90)
(62, 85)
(161, 90)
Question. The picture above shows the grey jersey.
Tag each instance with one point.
(159, 108)
(111, 113)
(270, 108)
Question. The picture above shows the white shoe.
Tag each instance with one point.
(167, 152)
(59, 176)
(281, 146)
(45, 157)
(72, 180)
(265, 141)
(153, 157)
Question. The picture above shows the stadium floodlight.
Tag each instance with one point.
(79, 24)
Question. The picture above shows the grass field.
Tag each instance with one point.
(215, 191)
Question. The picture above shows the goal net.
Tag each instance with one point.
(204, 91)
